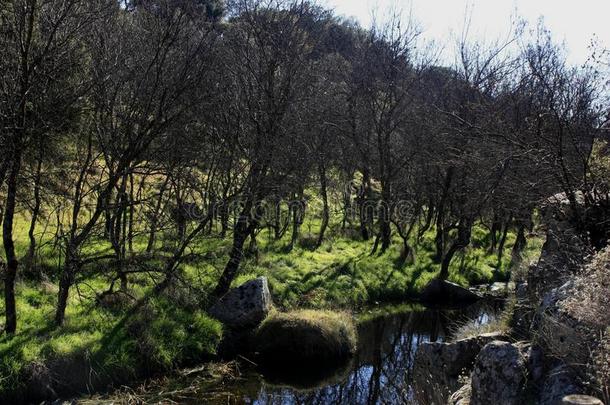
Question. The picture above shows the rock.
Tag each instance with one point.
(560, 207)
(580, 400)
(535, 363)
(494, 290)
(443, 291)
(461, 396)
(306, 338)
(244, 307)
(560, 382)
(561, 335)
(438, 366)
(562, 256)
(499, 374)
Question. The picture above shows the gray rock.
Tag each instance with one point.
(499, 374)
(535, 363)
(244, 307)
(560, 382)
(559, 205)
(494, 290)
(443, 291)
(438, 366)
(562, 256)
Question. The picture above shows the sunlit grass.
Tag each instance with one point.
(172, 329)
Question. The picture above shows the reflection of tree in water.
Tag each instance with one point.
(383, 365)
(380, 373)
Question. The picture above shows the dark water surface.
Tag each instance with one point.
(380, 372)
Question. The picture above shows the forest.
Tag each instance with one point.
(155, 154)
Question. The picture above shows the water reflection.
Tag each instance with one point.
(380, 372)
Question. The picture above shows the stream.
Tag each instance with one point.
(379, 373)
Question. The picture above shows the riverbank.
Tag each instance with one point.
(553, 344)
(380, 370)
(106, 342)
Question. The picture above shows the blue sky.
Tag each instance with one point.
(574, 22)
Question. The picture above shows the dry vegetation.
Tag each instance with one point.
(589, 302)
(590, 297)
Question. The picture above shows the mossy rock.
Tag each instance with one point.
(306, 337)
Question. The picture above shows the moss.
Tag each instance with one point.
(306, 337)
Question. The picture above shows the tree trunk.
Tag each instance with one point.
(439, 241)
(65, 282)
(363, 207)
(130, 230)
(325, 208)
(298, 211)
(155, 217)
(385, 230)
(31, 256)
(408, 254)
(118, 230)
(502, 241)
(9, 245)
(180, 217)
(496, 225)
(240, 233)
(428, 222)
(3, 170)
(441, 233)
(253, 247)
(224, 218)
(519, 245)
(122, 274)
(462, 241)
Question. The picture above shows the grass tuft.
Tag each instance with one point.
(307, 336)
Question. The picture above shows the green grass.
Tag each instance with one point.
(172, 329)
(118, 343)
(342, 272)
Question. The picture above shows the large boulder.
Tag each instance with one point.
(438, 366)
(244, 307)
(499, 374)
(562, 256)
(445, 292)
(306, 338)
